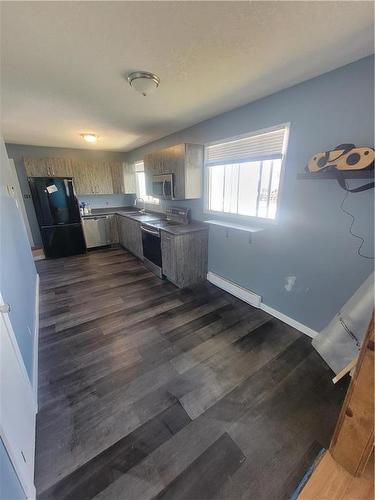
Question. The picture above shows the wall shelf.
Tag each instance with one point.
(232, 225)
(349, 174)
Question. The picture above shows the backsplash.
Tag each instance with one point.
(108, 200)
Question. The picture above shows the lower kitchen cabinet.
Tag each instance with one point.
(130, 236)
(184, 257)
(113, 224)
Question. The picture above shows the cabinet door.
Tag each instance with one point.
(123, 232)
(117, 174)
(152, 167)
(59, 167)
(130, 236)
(102, 178)
(35, 168)
(169, 256)
(82, 180)
(135, 238)
(113, 224)
(130, 184)
(48, 167)
(123, 178)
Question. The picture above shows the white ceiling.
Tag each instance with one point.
(63, 63)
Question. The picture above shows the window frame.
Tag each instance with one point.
(147, 202)
(246, 219)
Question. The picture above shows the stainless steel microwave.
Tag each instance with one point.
(162, 186)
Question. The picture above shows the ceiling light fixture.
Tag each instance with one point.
(89, 137)
(143, 82)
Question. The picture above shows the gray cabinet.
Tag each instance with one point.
(90, 176)
(185, 162)
(48, 167)
(123, 178)
(184, 257)
(113, 224)
(130, 236)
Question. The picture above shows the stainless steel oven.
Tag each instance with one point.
(162, 186)
(152, 249)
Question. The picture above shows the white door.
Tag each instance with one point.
(17, 422)
(18, 329)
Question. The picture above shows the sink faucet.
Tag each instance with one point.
(143, 210)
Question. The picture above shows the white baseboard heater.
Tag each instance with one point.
(256, 300)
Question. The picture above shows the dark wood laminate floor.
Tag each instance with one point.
(147, 391)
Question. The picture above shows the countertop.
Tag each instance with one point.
(183, 228)
(140, 217)
(128, 211)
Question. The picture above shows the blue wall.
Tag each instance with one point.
(10, 487)
(18, 151)
(17, 269)
(108, 200)
(311, 240)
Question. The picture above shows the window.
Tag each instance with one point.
(243, 174)
(141, 184)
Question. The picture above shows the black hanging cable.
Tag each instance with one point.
(351, 226)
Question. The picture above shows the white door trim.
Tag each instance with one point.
(17, 351)
(36, 343)
(18, 196)
(18, 413)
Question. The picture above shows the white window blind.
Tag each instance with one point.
(257, 147)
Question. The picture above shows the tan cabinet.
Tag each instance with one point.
(184, 257)
(48, 167)
(123, 178)
(185, 162)
(101, 177)
(113, 223)
(169, 256)
(90, 176)
(130, 235)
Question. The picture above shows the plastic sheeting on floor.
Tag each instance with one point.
(340, 341)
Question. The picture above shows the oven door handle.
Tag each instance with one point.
(150, 231)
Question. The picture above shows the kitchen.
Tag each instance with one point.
(161, 240)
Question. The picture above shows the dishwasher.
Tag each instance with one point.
(97, 230)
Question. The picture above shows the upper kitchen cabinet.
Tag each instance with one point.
(123, 178)
(48, 167)
(185, 162)
(89, 176)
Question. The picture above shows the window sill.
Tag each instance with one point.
(232, 225)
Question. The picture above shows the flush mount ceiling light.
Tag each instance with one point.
(89, 137)
(143, 82)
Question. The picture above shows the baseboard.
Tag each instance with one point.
(256, 301)
(242, 293)
(289, 321)
(36, 343)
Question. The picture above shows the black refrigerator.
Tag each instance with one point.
(57, 211)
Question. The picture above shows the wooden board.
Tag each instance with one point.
(330, 481)
(353, 439)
